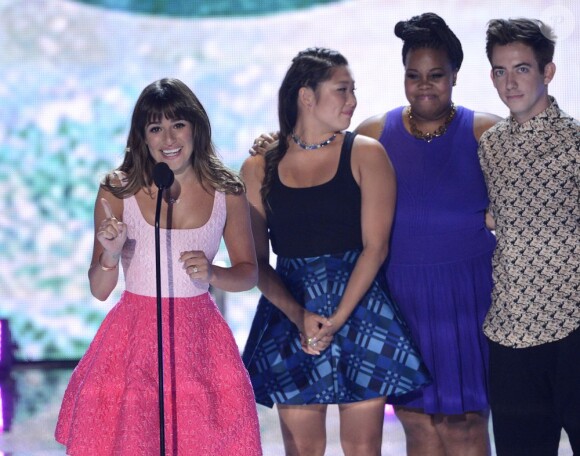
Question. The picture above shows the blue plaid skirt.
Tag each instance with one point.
(372, 355)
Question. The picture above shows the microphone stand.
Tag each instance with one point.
(163, 178)
(159, 325)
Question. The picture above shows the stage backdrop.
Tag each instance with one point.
(70, 72)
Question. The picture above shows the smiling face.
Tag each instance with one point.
(333, 103)
(429, 79)
(170, 141)
(518, 80)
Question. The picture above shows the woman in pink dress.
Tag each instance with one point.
(111, 405)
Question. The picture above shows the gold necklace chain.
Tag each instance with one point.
(430, 136)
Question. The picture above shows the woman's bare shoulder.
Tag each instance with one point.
(483, 121)
(373, 126)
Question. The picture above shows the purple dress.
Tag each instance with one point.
(439, 265)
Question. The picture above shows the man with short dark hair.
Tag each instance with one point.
(531, 162)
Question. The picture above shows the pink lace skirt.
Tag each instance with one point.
(111, 406)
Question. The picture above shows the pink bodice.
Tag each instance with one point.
(138, 257)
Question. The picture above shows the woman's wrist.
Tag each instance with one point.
(106, 267)
(337, 320)
(296, 315)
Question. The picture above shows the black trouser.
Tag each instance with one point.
(534, 393)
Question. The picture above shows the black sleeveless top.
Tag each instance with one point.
(313, 221)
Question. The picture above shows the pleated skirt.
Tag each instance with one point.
(445, 305)
(372, 355)
(111, 405)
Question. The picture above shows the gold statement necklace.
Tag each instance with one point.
(430, 136)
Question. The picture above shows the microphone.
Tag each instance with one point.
(162, 175)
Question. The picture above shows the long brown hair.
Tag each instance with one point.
(172, 99)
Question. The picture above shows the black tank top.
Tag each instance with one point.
(313, 221)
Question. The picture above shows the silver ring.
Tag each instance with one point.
(195, 269)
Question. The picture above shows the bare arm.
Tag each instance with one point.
(269, 282)
(110, 236)
(482, 122)
(489, 221)
(376, 177)
(243, 273)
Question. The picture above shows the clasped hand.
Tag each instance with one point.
(316, 333)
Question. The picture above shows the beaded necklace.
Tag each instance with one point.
(307, 146)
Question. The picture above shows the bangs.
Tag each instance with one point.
(160, 109)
